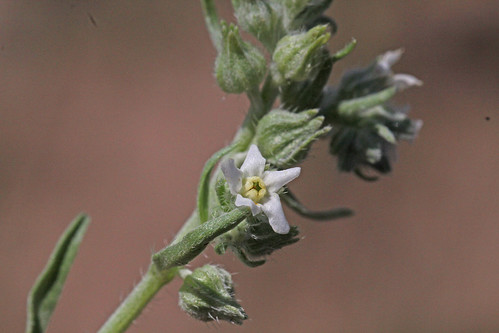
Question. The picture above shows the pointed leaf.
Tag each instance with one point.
(204, 182)
(45, 292)
(325, 215)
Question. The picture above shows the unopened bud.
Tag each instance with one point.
(297, 57)
(208, 294)
(285, 138)
(239, 65)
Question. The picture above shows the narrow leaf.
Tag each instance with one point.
(298, 207)
(362, 103)
(194, 242)
(345, 50)
(204, 182)
(212, 23)
(45, 292)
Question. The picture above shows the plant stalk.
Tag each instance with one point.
(138, 298)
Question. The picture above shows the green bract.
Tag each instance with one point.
(208, 294)
(239, 66)
(297, 57)
(284, 137)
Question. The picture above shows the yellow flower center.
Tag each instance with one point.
(254, 188)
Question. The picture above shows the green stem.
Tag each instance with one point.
(189, 243)
(255, 112)
(269, 93)
(194, 235)
(261, 103)
(136, 301)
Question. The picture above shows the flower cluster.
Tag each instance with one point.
(366, 126)
(357, 115)
(239, 204)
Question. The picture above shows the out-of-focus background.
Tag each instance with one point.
(110, 107)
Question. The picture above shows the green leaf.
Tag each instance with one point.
(195, 241)
(284, 138)
(325, 215)
(45, 292)
(204, 182)
(212, 23)
(349, 107)
(345, 50)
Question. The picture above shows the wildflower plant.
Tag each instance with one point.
(239, 203)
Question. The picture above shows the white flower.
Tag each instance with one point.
(257, 188)
(404, 81)
(401, 81)
(388, 59)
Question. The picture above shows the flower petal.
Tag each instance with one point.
(254, 163)
(274, 180)
(404, 81)
(273, 210)
(233, 175)
(386, 60)
(242, 201)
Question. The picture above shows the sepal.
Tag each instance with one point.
(285, 138)
(297, 57)
(239, 66)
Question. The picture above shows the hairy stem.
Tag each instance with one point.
(166, 263)
(138, 298)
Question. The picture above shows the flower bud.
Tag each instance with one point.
(239, 65)
(285, 138)
(208, 294)
(260, 19)
(297, 57)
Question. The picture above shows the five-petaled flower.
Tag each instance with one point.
(257, 188)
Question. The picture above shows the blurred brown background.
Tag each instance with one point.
(110, 107)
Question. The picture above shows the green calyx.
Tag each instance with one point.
(208, 294)
(285, 138)
(239, 66)
(297, 57)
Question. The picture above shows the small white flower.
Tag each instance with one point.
(404, 81)
(257, 188)
(400, 81)
(388, 59)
